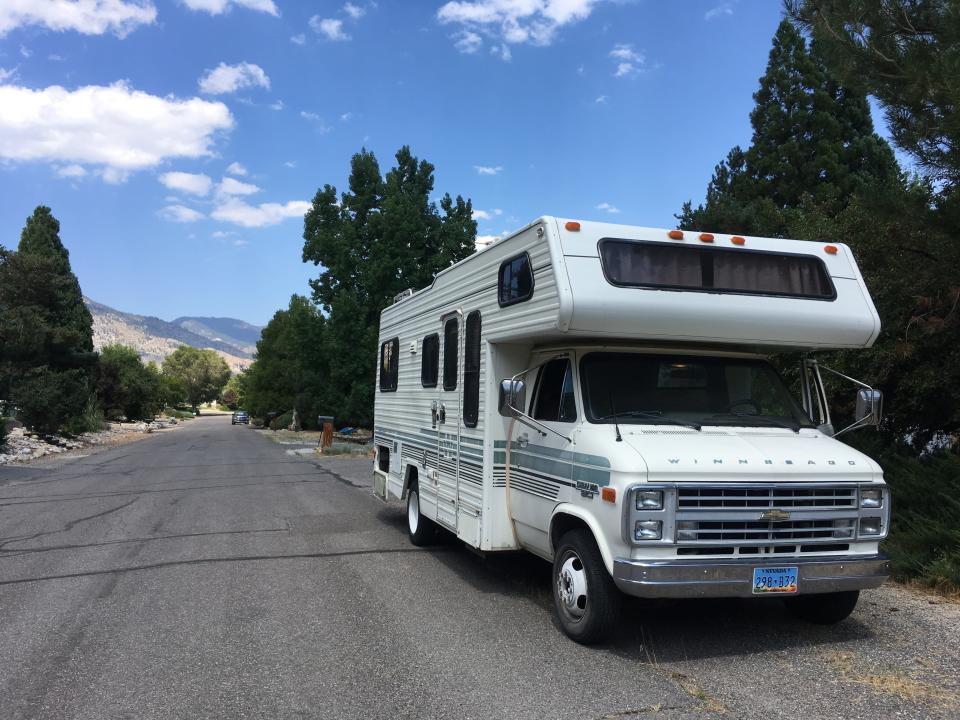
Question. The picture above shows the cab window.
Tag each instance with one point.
(554, 399)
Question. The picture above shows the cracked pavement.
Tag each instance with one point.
(206, 573)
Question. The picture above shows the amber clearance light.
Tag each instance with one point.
(737, 240)
(675, 235)
(830, 249)
(572, 226)
(706, 237)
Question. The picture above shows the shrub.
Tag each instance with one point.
(90, 420)
(282, 422)
(3, 431)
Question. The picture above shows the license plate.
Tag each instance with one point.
(774, 580)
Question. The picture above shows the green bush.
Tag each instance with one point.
(924, 541)
(3, 431)
(90, 420)
(178, 414)
(282, 422)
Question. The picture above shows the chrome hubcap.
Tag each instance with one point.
(413, 512)
(572, 587)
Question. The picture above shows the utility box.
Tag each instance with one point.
(326, 424)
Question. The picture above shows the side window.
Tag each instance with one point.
(471, 370)
(554, 400)
(515, 284)
(389, 364)
(430, 361)
(451, 346)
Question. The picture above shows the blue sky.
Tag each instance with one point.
(178, 140)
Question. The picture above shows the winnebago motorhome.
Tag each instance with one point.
(599, 395)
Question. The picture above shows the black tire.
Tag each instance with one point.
(826, 609)
(587, 601)
(422, 530)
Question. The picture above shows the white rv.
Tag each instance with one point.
(599, 395)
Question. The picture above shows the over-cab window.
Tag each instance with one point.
(451, 345)
(430, 361)
(516, 281)
(389, 364)
(554, 399)
(684, 267)
(471, 370)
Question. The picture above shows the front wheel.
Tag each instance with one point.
(587, 601)
(422, 530)
(826, 609)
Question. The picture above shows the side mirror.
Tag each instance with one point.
(513, 397)
(869, 407)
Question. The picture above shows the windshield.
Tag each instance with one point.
(672, 389)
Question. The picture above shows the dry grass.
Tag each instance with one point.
(711, 704)
(944, 591)
(904, 685)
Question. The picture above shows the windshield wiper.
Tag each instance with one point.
(762, 418)
(656, 415)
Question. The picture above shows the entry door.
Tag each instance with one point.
(450, 391)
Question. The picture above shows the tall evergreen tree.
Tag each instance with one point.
(906, 53)
(813, 141)
(46, 331)
(384, 236)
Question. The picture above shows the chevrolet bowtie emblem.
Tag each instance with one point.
(775, 515)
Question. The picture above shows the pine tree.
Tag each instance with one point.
(46, 331)
(813, 141)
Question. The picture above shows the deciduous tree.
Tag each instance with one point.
(201, 373)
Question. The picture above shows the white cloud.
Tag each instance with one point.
(721, 9)
(222, 233)
(629, 60)
(191, 183)
(601, 100)
(290, 163)
(483, 241)
(608, 207)
(317, 120)
(53, 57)
(71, 171)
(115, 127)
(7, 74)
(238, 212)
(229, 187)
(25, 51)
(346, 117)
(240, 242)
(298, 39)
(180, 214)
(230, 78)
(216, 7)
(89, 17)
(487, 169)
(487, 214)
(468, 42)
(236, 168)
(502, 51)
(278, 105)
(331, 28)
(354, 11)
(514, 21)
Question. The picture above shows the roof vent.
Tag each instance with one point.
(402, 295)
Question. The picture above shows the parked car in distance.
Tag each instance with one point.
(240, 416)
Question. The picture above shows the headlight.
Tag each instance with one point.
(871, 497)
(870, 526)
(649, 499)
(687, 530)
(647, 530)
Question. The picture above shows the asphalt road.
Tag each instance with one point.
(204, 572)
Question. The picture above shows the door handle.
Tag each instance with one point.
(523, 440)
(442, 414)
(433, 414)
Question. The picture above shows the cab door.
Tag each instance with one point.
(448, 408)
(541, 465)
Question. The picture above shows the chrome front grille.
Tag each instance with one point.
(767, 532)
(785, 498)
(752, 519)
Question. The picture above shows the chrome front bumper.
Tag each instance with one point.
(734, 578)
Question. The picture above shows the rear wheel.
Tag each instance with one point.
(422, 530)
(587, 601)
(826, 609)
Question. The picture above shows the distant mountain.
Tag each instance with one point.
(228, 330)
(154, 338)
